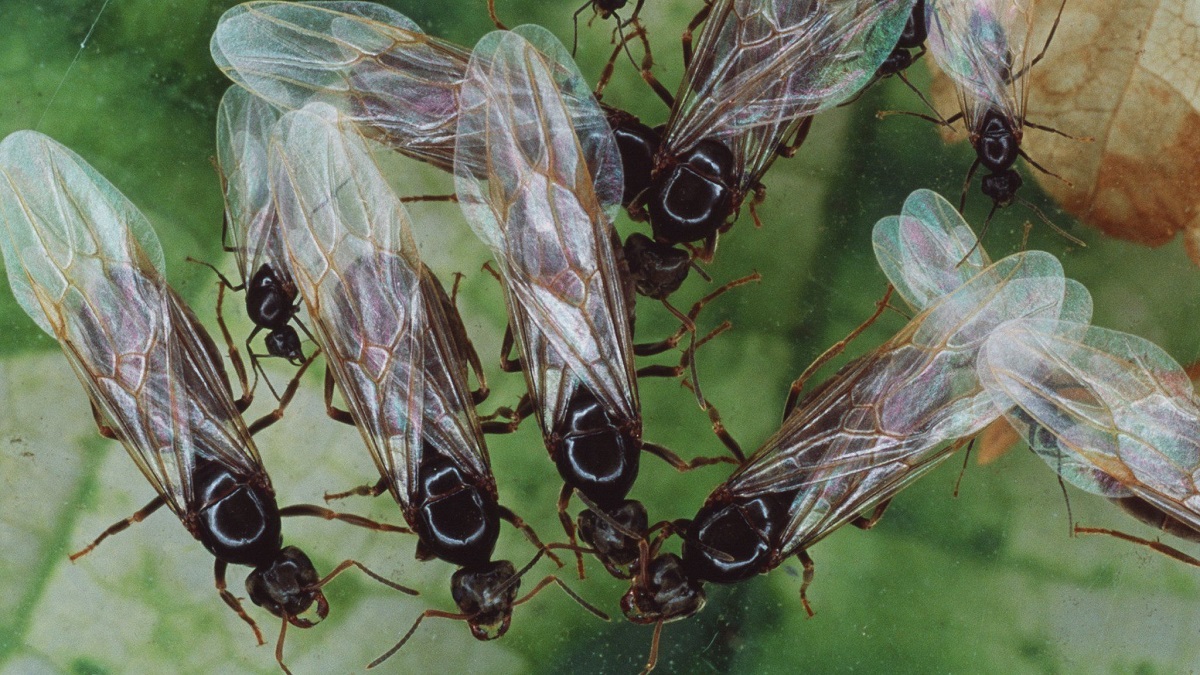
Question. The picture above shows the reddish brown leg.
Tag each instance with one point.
(430, 198)
(680, 464)
(429, 613)
(232, 601)
(806, 562)
(347, 564)
(870, 521)
(138, 516)
(360, 491)
(239, 367)
(515, 417)
(289, 393)
(564, 503)
(939, 120)
(279, 646)
(492, 14)
(1157, 546)
(688, 322)
(652, 661)
(101, 426)
(789, 149)
(836, 349)
(328, 514)
(551, 579)
(339, 415)
(525, 529)
(685, 40)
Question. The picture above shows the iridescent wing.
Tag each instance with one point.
(1112, 412)
(768, 64)
(85, 264)
(369, 62)
(981, 45)
(542, 207)
(244, 124)
(928, 250)
(884, 420)
(375, 308)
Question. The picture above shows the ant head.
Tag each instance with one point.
(1002, 187)
(287, 587)
(663, 592)
(486, 596)
(658, 269)
(615, 547)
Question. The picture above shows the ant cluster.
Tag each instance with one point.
(325, 256)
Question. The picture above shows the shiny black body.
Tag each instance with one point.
(731, 539)
(237, 519)
(616, 549)
(997, 145)
(271, 304)
(457, 518)
(656, 269)
(911, 39)
(692, 197)
(596, 453)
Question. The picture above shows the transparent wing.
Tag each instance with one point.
(244, 124)
(924, 251)
(541, 208)
(770, 63)
(981, 45)
(375, 308)
(884, 420)
(1114, 413)
(87, 267)
(371, 63)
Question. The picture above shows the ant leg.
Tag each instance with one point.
(232, 601)
(361, 491)
(789, 149)
(137, 517)
(279, 645)
(685, 40)
(347, 564)
(928, 104)
(335, 413)
(223, 279)
(652, 660)
(871, 521)
(810, 569)
(515, 417)
(508, 364)
(101, 426)
(1042, 127)
(460, 341)
(687, 322)
(680, 464)
(962, 202)
(564, 503)
(1043, 169)
(1157, 546)
(760, 196)
(835, 350)
(939, 120)
(492, 14)
(1053, 29)
(289, 393)
(429, 613)
(328, 514)
(430, 198)
(239, 367)
(516, 521)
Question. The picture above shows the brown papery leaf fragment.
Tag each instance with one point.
(1127, 74)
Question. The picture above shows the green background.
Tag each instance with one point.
(989, 581)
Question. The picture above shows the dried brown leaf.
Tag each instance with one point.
(1127, 74)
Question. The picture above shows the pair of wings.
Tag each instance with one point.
(542, 202)
(244, 124)
(984, 46)
(1113, 413)
(760, 66)
(85, 264)
(369, 62)
(885, 419)
(392, 339)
